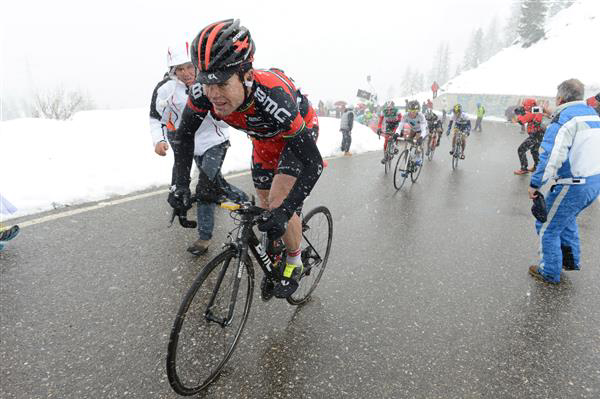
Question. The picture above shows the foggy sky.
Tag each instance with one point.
(116, 50)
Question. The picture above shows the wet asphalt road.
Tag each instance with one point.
(426, 295)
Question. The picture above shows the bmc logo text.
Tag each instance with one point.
(270, 105)
(196, 90)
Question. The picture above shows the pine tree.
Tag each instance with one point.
(406, 84)
(441, 59)
(391, 92)
(558, 5)
(512, 24)
(418, 82)
(444, 72)
(491, 42)
(474, 53)
(531, 24)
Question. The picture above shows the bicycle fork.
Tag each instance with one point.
(242, 252)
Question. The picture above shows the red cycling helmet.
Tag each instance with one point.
(221, 49)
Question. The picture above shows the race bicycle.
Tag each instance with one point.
(407, 164)
(390, 151)
(432, 143)
(213, 313)
(457, 152)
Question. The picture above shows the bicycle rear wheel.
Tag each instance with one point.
(401, 171)
(317, 233)
(198, 347)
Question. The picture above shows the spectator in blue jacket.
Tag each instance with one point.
(569, 161)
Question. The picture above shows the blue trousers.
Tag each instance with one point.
(210, 163)
(564, 203)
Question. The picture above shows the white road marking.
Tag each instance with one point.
(103, 204)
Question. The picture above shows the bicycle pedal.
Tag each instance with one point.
(285, 288)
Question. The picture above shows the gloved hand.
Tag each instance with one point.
(179, 198)
(520, 110)
(379, 131)
(274, 222)
(448, 132)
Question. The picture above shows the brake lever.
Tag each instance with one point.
(183, 220)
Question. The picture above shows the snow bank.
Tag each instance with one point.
(569, 51)
(50, 164)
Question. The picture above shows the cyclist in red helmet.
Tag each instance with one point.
(267, 105)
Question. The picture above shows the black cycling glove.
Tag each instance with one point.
(179, 199)
(274, 222)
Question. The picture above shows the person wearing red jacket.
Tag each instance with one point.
(594, 102)
(434, 88)
(531, 115)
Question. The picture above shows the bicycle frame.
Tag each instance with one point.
(459, 139)
(245, 240)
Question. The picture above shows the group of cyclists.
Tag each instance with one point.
(283, 127)
(422, 127)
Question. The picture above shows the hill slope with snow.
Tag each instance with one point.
(568, 51)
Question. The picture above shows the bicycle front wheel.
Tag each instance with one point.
(456, 154)
(209, 323)
(401, 171)
(317, 233)
(416, 170)
(431, 149)
(389, 155)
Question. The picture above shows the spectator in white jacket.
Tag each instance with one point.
(210, 143)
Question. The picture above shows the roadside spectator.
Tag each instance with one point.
(7, 233)
(406, 105)
(434, 88)
(429, 104)
(346, 123)
(594, 102)
(570, 159)
(531, 115)
(424, 107)
(480, 113)
(210, 143)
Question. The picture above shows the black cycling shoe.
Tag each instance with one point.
(289, 281)
(266, 288)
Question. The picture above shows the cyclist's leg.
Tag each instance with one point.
(386, 142)
(463, 145)
(453, 141)
(262, 177)
(282, 185)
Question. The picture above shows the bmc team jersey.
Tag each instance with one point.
(276, 116)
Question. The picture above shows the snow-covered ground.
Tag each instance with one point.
(570, 50)
(50, 164)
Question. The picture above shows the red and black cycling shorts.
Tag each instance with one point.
(271, 157)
